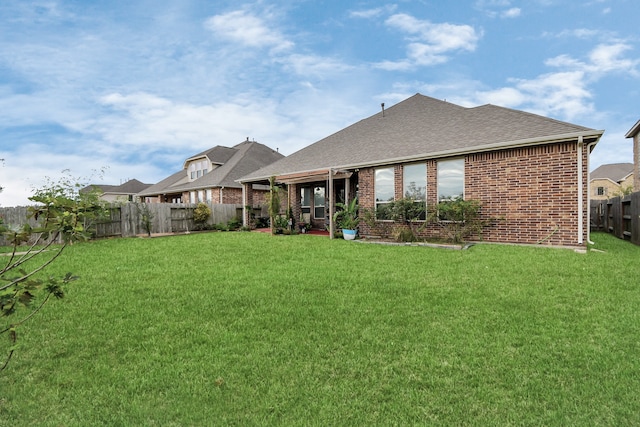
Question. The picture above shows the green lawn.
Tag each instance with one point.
(252, 329)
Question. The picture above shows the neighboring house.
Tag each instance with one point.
(119, 193)
(611, 180)
(211, 176)
(634, 133)
(528, 170)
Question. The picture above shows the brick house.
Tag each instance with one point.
(610, 180)
(530, 170)
(210, 176)
(634, 133)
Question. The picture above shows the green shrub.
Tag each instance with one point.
(201, 215)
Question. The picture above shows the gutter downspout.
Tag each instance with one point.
(580, 190)
(244, 205)
(589, 194)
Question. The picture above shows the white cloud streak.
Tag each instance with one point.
(565, 93)
(247, 29)
(373, 13)
(429, 43)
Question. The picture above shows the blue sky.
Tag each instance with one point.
(134, 87)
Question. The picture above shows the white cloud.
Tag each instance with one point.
(429, 43)
(608, 58)
(313, 65)
(566, 93)
(402, 65)
(603, 59)
(498, 8)
(247, 29)
(504, 97)
(372, 13)
(580, 33)
(562, 94)
(146, 120)
(514, 12)
(46, 164)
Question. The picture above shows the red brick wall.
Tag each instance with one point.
(533, 190)
(260, 197)
(230, 195)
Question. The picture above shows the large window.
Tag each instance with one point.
(197, 169)
(318, 203)
(414, 186)
(450, 180)
(305, 199)
(414, 182)
(450, 186)
(384, 191)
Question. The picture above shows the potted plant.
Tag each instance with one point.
(347, 218)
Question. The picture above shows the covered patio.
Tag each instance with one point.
(311, 196)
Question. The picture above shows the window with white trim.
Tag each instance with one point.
(318, 203)
(414, 185)
(384, 192)
(450, 180)
(450, 184)
(305, 200)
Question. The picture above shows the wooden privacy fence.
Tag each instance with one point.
(619, 216)
(125, 220)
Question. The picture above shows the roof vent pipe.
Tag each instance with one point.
(382, 105)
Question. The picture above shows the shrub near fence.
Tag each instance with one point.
(619, 216)
(125, 220)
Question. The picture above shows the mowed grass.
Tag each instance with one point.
(252, 329)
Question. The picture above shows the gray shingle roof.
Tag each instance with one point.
(132, 186)
(422, 127)
(218, 155)
(616, 172)
(167, 185)
(234, 162)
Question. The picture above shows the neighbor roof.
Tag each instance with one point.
(234, 162)
(615, 172)
(132, 186)
(422, 127)
(634, 130)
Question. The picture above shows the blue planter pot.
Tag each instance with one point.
(349, 234)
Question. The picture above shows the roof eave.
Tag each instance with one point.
(455, 152)
(634, 130)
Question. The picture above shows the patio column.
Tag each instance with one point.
(331, 198)
(347, 185)
(247, 201)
